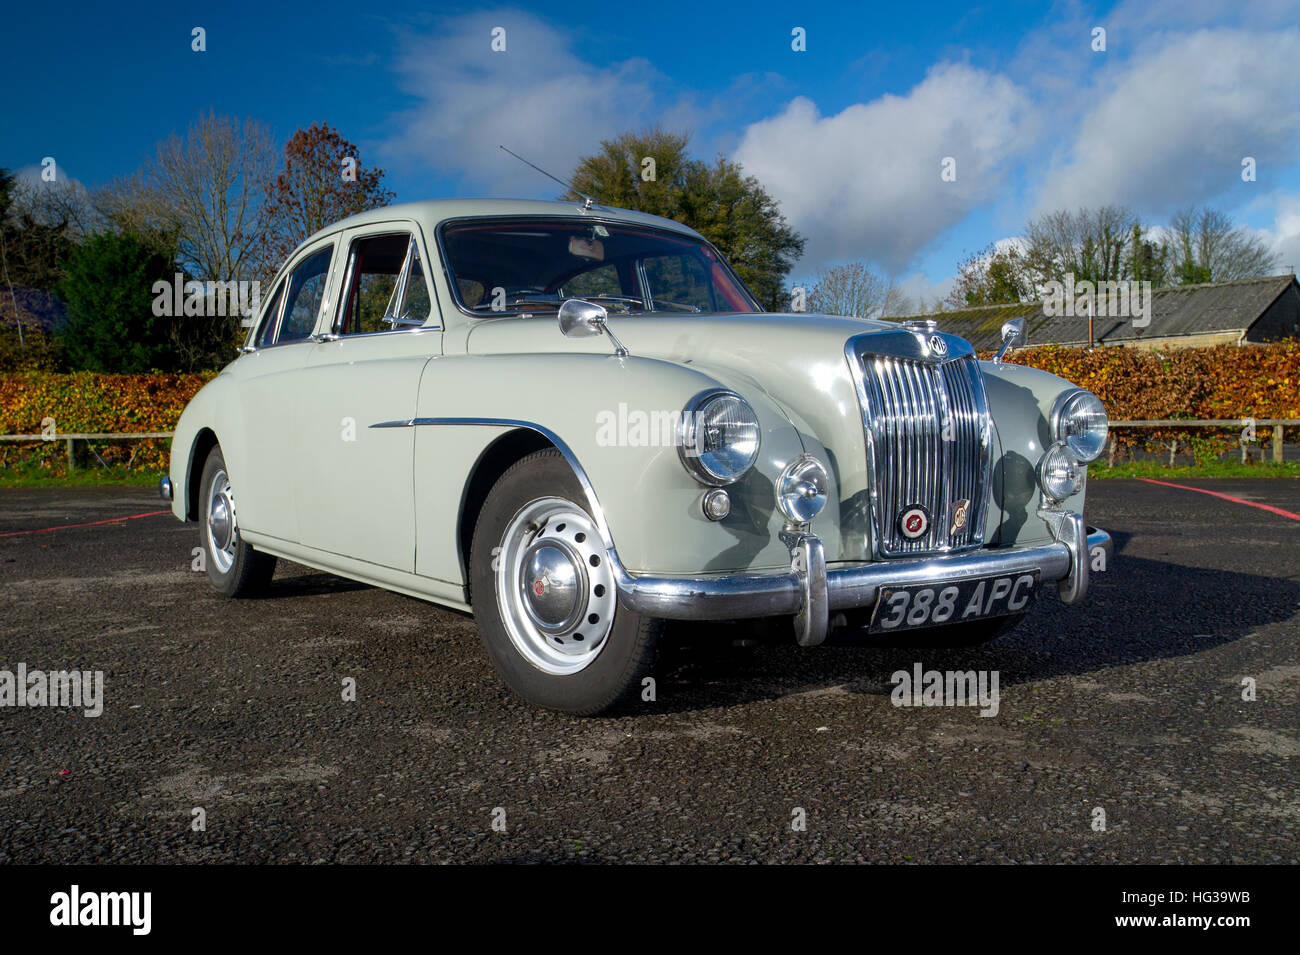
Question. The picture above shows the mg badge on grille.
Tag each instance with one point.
(914, 522)
(938, 346)
(959, 511)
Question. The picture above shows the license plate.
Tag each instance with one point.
(913, 606)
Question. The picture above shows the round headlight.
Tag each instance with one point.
(801, 489)
(718, 437)
(1080, 421)
(1060, 473)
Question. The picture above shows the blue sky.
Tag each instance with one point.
(848, 135)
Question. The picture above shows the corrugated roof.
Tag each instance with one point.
(1179, 310)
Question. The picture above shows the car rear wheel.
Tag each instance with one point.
(545, 598)
(234, 566)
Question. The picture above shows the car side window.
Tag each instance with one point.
(303, 300)
(679, 280)
(417, 304)
(266, 328)
(381, 268)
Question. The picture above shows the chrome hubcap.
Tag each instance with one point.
(555, 586)
(222, 530)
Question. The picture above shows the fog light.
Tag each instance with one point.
(717, 504)
(1060, 473)
(801, 489)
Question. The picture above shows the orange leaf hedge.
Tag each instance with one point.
(1259, 381)
(89, 402)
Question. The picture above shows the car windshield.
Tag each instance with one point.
(533, 264)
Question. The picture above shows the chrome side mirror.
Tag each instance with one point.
(1013, 336)
(582, 319)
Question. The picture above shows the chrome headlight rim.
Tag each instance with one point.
(687, 437)
(1060, 413)
(791, 489)
(1079, 470)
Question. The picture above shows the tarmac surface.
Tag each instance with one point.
(1131, 705)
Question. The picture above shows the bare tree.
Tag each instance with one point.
(1091, 244)
(62, 203)
(1207, 247)
(853, 290)
(206, 195)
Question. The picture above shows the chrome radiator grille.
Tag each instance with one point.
(927, 428)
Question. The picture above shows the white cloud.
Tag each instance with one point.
(1285, 234)
(923, 295)
(865, 183)
(1174, 127)
(536, 98)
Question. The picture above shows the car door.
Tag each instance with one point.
(270, 379)
(359, 501)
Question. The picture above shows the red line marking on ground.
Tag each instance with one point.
(60, 527)
(1228, 497)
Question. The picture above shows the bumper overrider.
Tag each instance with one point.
(811, 593)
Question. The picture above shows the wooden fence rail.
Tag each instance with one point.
(72, 437)
(1279, 426)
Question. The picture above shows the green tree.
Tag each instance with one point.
(991, 276)
(108, 292)
(1148, 261)
(730, 209)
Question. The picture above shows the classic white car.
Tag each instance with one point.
(576, 422)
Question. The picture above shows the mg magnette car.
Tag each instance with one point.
(577, 423)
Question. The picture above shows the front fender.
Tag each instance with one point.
(208, 411)
(1021, 399)
(621, 436)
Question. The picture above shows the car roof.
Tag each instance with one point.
(434, 211)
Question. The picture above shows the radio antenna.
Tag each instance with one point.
(588, 200)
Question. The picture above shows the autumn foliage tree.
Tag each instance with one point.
(321, 182)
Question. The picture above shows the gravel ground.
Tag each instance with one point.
(1131, 704)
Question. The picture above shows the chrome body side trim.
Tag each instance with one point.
(597, 512)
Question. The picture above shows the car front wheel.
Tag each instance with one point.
(234, 566)
(545, 598)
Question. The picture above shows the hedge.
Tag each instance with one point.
(1258, 381)
(88, 402)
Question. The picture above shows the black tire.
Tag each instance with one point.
(240, 570)
(611, 675)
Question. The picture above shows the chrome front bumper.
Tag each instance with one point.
(811, 593)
